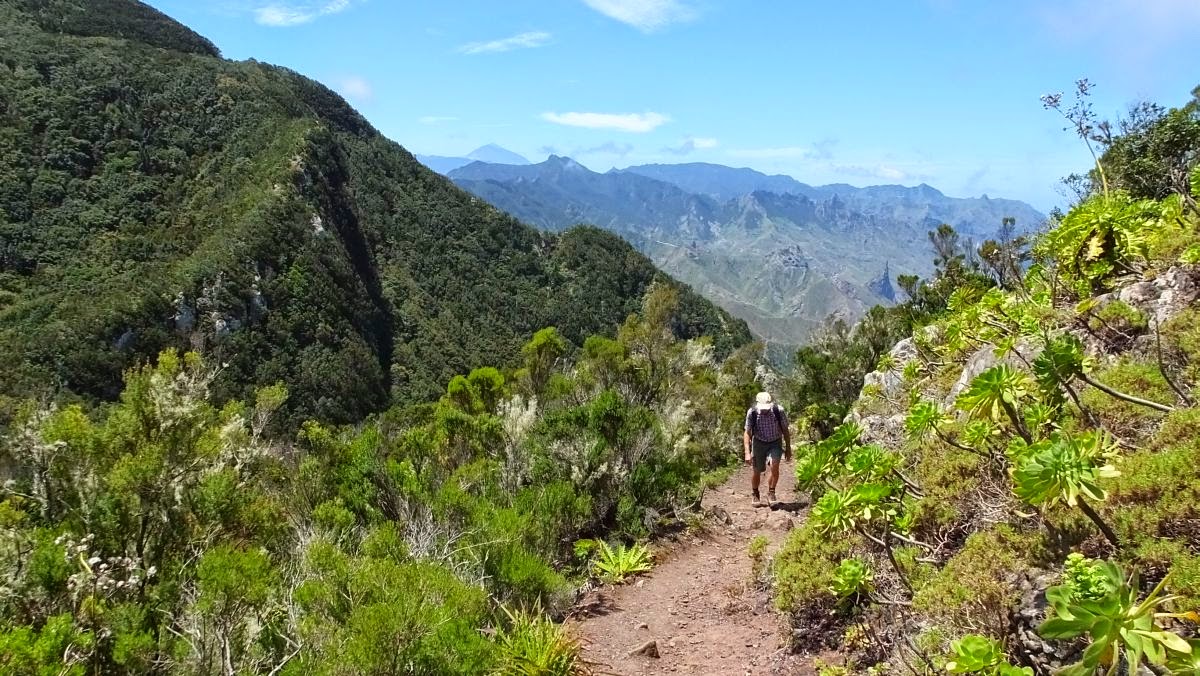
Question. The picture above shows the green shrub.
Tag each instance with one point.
(1158, 491)
(1117, 319)
(532, 645)
(852, 580)
(1123, 625)
(1084, 578)
(757, 550)
(978, 585)
(1128, 375)
(804, 565)
(981, 655)
(615, 565)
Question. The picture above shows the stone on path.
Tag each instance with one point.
(647, 649)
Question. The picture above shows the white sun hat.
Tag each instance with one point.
(763, 401)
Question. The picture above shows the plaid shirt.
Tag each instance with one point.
(768, 428)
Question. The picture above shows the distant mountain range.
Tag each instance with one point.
(781, 254)
(489, 153)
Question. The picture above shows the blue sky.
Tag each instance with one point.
(937, 91)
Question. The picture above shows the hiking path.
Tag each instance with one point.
(700, 605)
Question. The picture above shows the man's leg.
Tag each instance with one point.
(776, 456)
(759, 460)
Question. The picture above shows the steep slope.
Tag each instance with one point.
(779, 254)
(155, 196)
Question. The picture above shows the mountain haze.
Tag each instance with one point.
(154, 195)
(776, 252)
(488, 153)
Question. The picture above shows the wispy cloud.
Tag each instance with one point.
(436, 119)
(520, 41)
(691, 144)
(777, 153)
(286, 13)
(606, 148)
(356, 88)
(820, 150)
(631, 122)
(644, 15)
(881, 171)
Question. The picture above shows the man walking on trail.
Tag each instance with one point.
(766, 439)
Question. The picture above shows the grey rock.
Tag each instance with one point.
(1163, 297)
(1026, 349)
(647, 649)
(721, 515)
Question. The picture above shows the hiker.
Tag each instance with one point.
(767, 427)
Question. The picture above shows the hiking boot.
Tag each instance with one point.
(755, 501)
(771, 498)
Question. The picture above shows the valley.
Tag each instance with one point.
(782, 255)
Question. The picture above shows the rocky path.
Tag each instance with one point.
(699, 607)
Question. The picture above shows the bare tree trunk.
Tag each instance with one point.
(1125, 397)
(1100, 523)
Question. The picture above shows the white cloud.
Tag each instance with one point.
(631, 122)
(692, 144)
(356, 88)
(521, 41)
(296, 12)
(777, 153)
(436, 119)
(606, 148)
(644, 15)
(880, 171)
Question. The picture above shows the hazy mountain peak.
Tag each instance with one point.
(494, 154)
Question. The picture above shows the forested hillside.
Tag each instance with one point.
(1015, 488)
(153, 195)
(205, 268)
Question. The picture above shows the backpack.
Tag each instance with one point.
(754, 418)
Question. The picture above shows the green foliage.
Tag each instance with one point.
(1101, 238)
(1118, 318)
(852, 579)
(829, 371)
(532, 645)
(1122, 625)
(981, 655)
(1154, 151)
(1085, 578)
(804, 567)
(757, 551)
(996, 393)
(976, 587)
(615, 565)
(59, 648)
(1133, 376)
(1063, 468)
(155, 196)
(924, 418)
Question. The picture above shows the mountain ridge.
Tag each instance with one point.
(241, 208)
(782, 259)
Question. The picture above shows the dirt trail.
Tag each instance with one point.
(699, 604)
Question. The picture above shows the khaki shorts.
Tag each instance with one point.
(763, 449)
